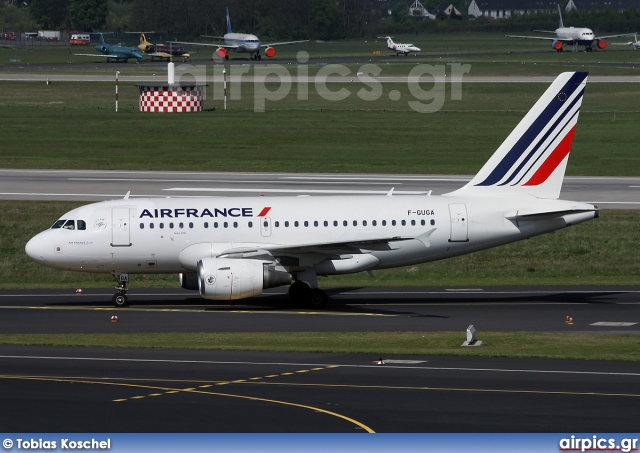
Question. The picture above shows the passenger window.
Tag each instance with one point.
(215, 224)
(345, 223)
(190, 224)
(404, 222)
(286, 223)
(384, 223)
(171, 225)
(161, 225)
(422, 222)
(374, 223)
(142, 226)
(335, 223)
(315, 223)
(235, 224)
(82, 225)
(181, 225)
(58, 224)
(206, 224)
(413, 223)
(225, 224)
(355, 223)
(393, 223)
(433, 222)
(326, 223)
(295, 224)
(151, 226)
(364, 223)
(251, 224)
(277, 224)
(306, 224)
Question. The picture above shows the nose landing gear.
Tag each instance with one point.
(120, 297)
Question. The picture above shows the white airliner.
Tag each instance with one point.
(241, 43)
(575, 36)
(401, 48)
(231, 248)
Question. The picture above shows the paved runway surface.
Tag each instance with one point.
(85, 185)
(127, 390)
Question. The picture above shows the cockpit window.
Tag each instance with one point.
(82, 225)
(58, 224)
(69, 225)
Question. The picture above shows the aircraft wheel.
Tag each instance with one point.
(120, 300)
(299, 292)
(317, 299)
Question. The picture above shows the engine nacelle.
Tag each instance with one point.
(103, 49)
(601, 43)
(189, 281)
(221, 52)
(232, 279)
(557, 45)
(270, 52)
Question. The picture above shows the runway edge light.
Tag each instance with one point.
(471, 337)
(114, 318)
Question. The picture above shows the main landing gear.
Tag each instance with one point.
(120, 297)
(308, 294)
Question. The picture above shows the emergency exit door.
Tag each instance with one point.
(459, 223)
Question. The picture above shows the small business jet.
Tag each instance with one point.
(401, 48)
(167, 51)
(241, 43)
(574, 36)
(230, 248)
(114, 52)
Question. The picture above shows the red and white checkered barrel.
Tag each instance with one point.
(171, 98)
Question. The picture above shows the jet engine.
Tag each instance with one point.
(221, 52)
(189, 281)
(555, 44)
(270, 52)
(103, 49)
(231, 279)
(601, 43)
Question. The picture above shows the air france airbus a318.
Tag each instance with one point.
(232, 248)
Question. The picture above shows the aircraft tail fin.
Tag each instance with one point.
(228, 21)
(533, 158)
(560, 16)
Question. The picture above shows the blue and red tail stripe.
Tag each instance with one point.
(504, 173)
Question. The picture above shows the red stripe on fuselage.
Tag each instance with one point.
(264, 211)
(552, 162)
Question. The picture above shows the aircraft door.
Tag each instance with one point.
(120, 227)
(459, 222)
(265, 226)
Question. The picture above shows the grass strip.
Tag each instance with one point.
(539, 345)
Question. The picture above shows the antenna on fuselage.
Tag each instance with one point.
(126, 197)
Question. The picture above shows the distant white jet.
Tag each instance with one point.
(574, 36)
(230, 248)
(401, 48)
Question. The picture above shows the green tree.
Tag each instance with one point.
(400, 12)
(326, 20)
(49, 14)
(87, 15)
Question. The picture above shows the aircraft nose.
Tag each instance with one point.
(35, 248)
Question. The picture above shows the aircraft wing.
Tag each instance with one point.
(207, 44)
(282, 43)
(103, 55)
(616, 36)
(324, 248)
(537, 37)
